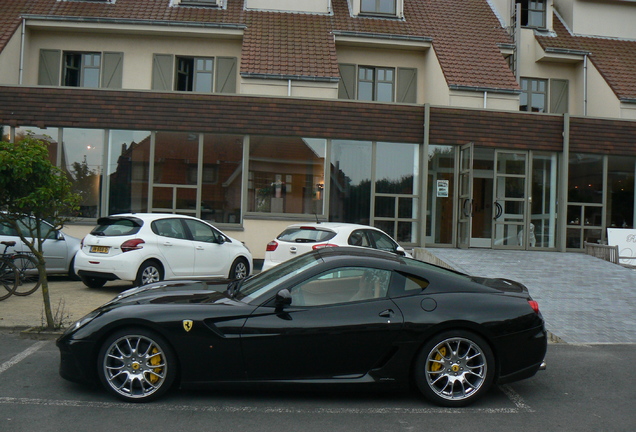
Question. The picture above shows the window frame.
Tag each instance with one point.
(81, 68)
(376, 82)
(528, 92)
(378, 6)
(533, 8)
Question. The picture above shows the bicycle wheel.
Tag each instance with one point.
(8, 279)
(29, 280)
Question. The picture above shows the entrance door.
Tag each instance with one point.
(511, 200)
(465, 219)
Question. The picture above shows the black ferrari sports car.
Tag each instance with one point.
(331, 316)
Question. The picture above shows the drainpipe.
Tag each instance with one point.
(585, 85)
(289, 88)
(22, 51)
(485, 99)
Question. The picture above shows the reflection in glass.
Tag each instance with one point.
(397, 169)
(350, 193)
(127, 171)
(620, 192)
(82, 151)
(286, 175)
(49, 136)
(585, 178)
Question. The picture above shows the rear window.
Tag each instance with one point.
(117, 226)
(306, 235)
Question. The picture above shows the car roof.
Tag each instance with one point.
(356, 252)
(331, 225)
(150, 216)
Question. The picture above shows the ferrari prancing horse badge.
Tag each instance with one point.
(187, 325)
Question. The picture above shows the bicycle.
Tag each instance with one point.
(26, 265)
(9, 274)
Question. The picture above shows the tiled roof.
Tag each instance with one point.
(465, 34)
(615, 59)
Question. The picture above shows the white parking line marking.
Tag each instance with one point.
(256, 410)
(516, 398)
(24, 354)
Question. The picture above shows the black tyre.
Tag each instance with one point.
(149, 272)
(71, 271)
(93, 282)
(136, 365)
(455, 368)
(240, 269)
(29, 280)
(9, 277)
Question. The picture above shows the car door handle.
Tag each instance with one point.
(387, 313)
(200, 248)
(167, 244)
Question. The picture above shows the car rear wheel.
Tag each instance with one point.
(149, 272)
(136, 365)
(93, 282)
(455, 368)
(239, 269)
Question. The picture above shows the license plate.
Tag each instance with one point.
(100, 249)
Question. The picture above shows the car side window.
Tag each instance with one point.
(359, 238)
(202, 232)
(169, 228)
(382, 241)
(342, 285)
(404, 285)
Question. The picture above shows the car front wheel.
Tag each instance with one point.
(149, 272)
(455, 368)
(239, 269)
(136, 365)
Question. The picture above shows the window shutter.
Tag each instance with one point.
(112, 70)
(162, 72)
(347, 84)
(406, 85)
(226, 74)
(49, 68)
(559, 96)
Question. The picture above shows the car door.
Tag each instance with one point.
(173, 244)
(211, 253)
(54, 246)
(332, 329)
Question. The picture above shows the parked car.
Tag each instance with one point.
(151, 247)
(332, 316)
(300, 238)
(59, 248)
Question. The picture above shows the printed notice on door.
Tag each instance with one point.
(442, 188)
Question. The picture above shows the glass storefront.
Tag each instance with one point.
(440, 195)
(351, 171)
(286, 175)
(585, 200)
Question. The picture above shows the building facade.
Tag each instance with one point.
(481, 123)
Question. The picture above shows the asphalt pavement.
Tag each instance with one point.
(583, 299)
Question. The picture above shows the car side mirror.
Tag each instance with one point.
(400, 251)
(59, 236)
(283, 298)
(219, 239)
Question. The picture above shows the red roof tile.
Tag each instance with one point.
(465, 34)
(615, 59)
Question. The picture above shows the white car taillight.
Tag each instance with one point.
(271, 246)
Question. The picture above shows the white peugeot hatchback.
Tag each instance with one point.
(150, 247)
(300, 238)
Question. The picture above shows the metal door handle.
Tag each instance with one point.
(467, 208)
(499, 211)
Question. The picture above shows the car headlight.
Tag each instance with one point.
(82, 322)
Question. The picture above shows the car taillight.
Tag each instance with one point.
(323, 245)
(534, 305)
(131, 245)
(271, 246)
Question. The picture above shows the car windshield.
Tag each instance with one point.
(263, 282)
(306, 235)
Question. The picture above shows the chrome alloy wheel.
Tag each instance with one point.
(135, 366)
(150, 274)
(240, 270)
(456, 368)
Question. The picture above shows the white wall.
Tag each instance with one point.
(10, 60)
(272, 87)
(599, 17)
(307, 6)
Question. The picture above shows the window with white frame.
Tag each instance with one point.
(543, 95)
(198, 74)
(533, 13)
(80, 69)
(375, 83)
(378, 7)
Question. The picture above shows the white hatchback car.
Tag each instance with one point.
(150, 247)
(304, 237)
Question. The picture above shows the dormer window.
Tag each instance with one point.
(533, 13)
(203, 3)
(378, 7)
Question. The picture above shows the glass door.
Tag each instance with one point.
(510, 200)
(465, 218)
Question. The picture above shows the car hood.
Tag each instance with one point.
(182, 292)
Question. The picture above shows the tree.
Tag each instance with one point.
(30, 185)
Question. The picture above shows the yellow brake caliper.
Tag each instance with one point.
(435, 366)
(155, 361)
